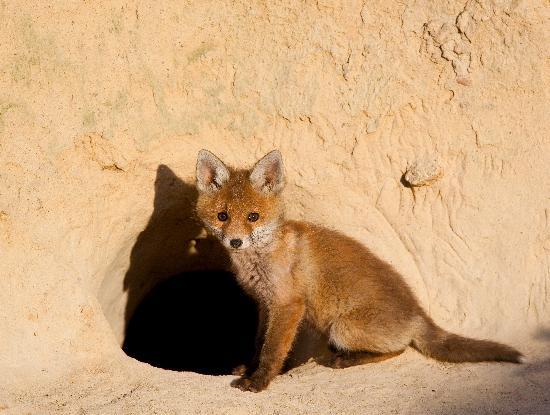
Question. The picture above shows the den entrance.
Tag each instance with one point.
(179, 309)
(195, 321)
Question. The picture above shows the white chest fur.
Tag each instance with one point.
(255, 272)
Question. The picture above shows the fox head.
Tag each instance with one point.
(242, 208)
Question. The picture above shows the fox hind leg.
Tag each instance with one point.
(361, 337)
(341, 360)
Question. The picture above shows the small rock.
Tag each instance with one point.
(423, 173)
(372, 126)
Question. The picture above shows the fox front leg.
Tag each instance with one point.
(282, 325)
(248, 369)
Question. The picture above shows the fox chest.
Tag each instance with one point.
(256, 274)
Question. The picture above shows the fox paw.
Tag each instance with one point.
(239, 370)
(338, 362)
(250, 384)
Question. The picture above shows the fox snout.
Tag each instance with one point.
(235, 243)
(237, 238)
(229, 240)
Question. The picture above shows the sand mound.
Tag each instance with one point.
(419, 128)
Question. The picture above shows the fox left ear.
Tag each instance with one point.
(267, 175)
(211, 172)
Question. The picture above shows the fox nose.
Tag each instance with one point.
(235, 243)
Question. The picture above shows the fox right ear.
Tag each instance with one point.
(267, 175)
(211, 172)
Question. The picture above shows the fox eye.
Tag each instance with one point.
(223, 216)
(253, 217)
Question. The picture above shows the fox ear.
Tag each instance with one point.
(268, 175)
(211, 172)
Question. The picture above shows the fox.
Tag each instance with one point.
(300, 272)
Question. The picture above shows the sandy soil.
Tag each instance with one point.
(409, 384)
(420, 128)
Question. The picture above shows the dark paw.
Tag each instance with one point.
(338, 362)
(335, 362)
(239, 370)
(252, 384)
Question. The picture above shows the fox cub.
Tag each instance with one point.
(298, 271)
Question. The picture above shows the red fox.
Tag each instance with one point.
(299, 271)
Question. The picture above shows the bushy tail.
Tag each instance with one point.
(439, 344)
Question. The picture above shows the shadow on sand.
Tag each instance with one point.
(184, 311)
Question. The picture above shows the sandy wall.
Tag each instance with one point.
(104, 105)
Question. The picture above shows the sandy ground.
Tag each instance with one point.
(409, 384)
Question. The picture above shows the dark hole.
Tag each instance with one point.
(195, 321)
